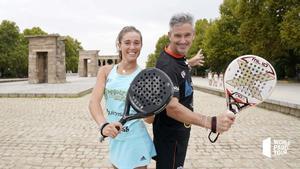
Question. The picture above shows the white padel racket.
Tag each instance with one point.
(248, 81)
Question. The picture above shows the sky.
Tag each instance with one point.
(96, 23)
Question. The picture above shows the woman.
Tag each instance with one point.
(132, 147)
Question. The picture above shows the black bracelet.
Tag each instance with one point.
(101, 129)
(214, 124)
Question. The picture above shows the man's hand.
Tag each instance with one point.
(197, 60)
(224, 121)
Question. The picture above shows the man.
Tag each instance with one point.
(171, 128)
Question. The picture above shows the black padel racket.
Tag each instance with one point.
(248, 81)
(148, 94)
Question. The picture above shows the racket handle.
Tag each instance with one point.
(213, 140)
(122, 121)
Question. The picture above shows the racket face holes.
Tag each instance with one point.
(134, 87)
(158, 101)
(258, 82)
(150, 91)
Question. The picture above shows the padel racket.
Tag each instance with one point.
(248, 81)
(148, 94)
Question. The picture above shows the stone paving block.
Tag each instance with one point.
(60, 133)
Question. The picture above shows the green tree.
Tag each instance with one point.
(72, 47)
(9, 44)
(34, 31)
(290, 35)
(201, 27)
(151, 60)
(21, 53)
(259, 28)
(265, 29)
(222, 41)
(290, 29)
(162, 42)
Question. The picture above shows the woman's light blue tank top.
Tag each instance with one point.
(115, 95)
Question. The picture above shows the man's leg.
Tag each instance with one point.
(170, 153)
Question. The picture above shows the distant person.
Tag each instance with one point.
(215, 79)
(221, 78)
(132, 147)
(209, 76)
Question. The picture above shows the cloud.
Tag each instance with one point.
(96, 23)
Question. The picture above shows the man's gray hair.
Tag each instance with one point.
(181, 18)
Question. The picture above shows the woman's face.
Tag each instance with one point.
(130, 46)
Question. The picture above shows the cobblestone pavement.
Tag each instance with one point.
(56, 133)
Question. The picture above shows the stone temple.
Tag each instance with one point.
(46, 59)
(90, 61)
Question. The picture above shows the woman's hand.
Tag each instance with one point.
(112, 129)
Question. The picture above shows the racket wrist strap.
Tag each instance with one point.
(214, 124)
(101, 127)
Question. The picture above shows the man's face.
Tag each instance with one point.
(181, 37)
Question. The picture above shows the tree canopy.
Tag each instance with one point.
(267, 28)
(14, 50)
(72, 47)
(161, 43)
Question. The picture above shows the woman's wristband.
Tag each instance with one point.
(101, 127)
(214, 124)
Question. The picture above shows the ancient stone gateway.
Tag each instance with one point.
(90, 61)
(46, 59)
